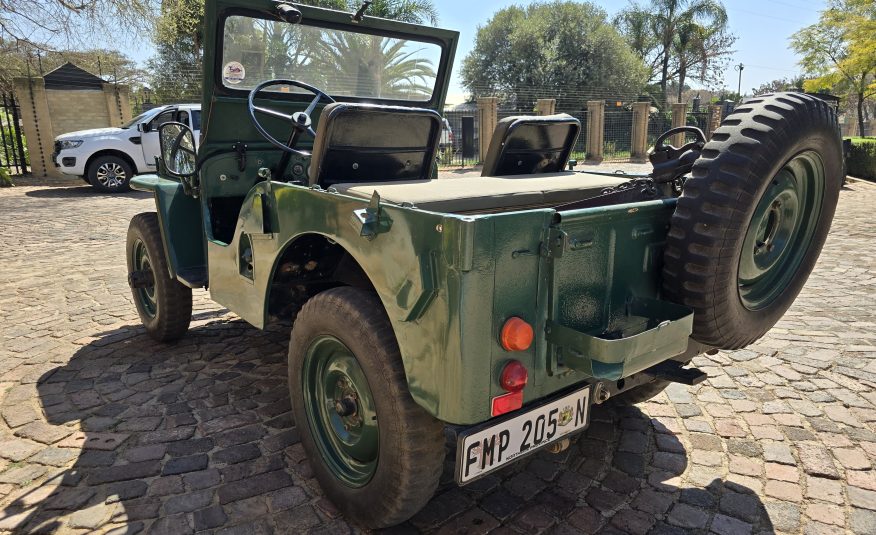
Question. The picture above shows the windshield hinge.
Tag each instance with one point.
(361, 13)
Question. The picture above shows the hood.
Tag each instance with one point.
(94, 132)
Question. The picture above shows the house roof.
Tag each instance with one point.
(69, 76)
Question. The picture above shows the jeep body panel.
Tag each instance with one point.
(586, 280)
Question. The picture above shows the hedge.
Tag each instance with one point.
(861, 162)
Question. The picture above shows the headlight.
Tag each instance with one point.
(70, 144)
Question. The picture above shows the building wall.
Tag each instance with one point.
(47, 113)
(77, 110)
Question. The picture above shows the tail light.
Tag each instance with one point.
(513, 379)
(516, 335)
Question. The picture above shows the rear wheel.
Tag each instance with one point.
(163, 303)
(754, 216)
(376, 453)
(110, 174)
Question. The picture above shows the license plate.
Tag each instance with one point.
(485, 450)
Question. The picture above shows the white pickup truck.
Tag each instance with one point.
(107, 158)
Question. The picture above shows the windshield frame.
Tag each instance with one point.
(441, 69)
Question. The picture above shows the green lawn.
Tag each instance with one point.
(869, 139)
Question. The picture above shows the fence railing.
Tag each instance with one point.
(13, 150)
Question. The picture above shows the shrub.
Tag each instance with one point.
(861, 162)
(5, 178)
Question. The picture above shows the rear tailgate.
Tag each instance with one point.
(600, 288)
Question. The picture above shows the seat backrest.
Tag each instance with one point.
(525, 145)
(368, 143)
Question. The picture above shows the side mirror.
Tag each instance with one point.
(141, 127)
(178, 149)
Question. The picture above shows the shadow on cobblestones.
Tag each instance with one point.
(199, 436)
(79, 192)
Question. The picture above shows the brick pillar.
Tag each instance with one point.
(679, 118)
(638, 153)
(118, 103)
(488, 116)
(37, 125)
(714, 119)
(546, 106)
(595, 130)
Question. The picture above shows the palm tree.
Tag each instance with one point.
(673, 16)
(372, 66)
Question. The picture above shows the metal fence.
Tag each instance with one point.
(460, 140)
(13, 152)
(618, 140)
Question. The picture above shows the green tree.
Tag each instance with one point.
(795, 83)
(839, 51)
(64, 23)
(20, 59)
(678, 39)
(555, 48)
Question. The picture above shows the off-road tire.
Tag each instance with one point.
(116, 163)
(173, 300)
(411, 442)
(641, 393)
(712, 218)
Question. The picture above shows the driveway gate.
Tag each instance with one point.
(13, 152)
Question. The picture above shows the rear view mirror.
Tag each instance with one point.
(178, 149)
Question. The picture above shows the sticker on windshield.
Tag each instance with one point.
(233, 73)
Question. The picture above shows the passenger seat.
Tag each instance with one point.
(531, 145)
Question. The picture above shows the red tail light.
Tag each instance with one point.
(513, 379)
(514, 376)
(507, 403)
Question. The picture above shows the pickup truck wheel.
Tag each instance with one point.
(110, 174)
(754, 216)
(376, 453)
(164, 304)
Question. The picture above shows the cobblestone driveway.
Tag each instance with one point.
(103, 430)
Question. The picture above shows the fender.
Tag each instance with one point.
(181, 228)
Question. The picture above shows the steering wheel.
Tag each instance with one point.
(300, 121)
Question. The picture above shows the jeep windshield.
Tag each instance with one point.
(342, 63)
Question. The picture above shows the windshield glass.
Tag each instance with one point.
(143, 117)
(341, 63)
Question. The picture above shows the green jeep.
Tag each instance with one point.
(486, 312)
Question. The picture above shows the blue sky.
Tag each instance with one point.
(762, 26)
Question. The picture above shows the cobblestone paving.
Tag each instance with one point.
(105, 431)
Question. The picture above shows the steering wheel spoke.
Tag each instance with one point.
(300, 121)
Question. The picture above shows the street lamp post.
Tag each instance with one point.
(739, 87)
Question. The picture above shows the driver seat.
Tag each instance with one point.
(362, 143)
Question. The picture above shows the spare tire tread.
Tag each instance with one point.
(713, 213)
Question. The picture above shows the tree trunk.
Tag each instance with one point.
(665, 75)
(682, 73)
(861, 113)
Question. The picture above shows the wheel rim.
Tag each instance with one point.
(781, 230)
(146, 296)
(111, 175)
(340, 410)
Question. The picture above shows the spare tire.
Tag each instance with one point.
(753, 217)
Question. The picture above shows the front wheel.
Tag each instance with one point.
(164, 304)
(376, 453)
